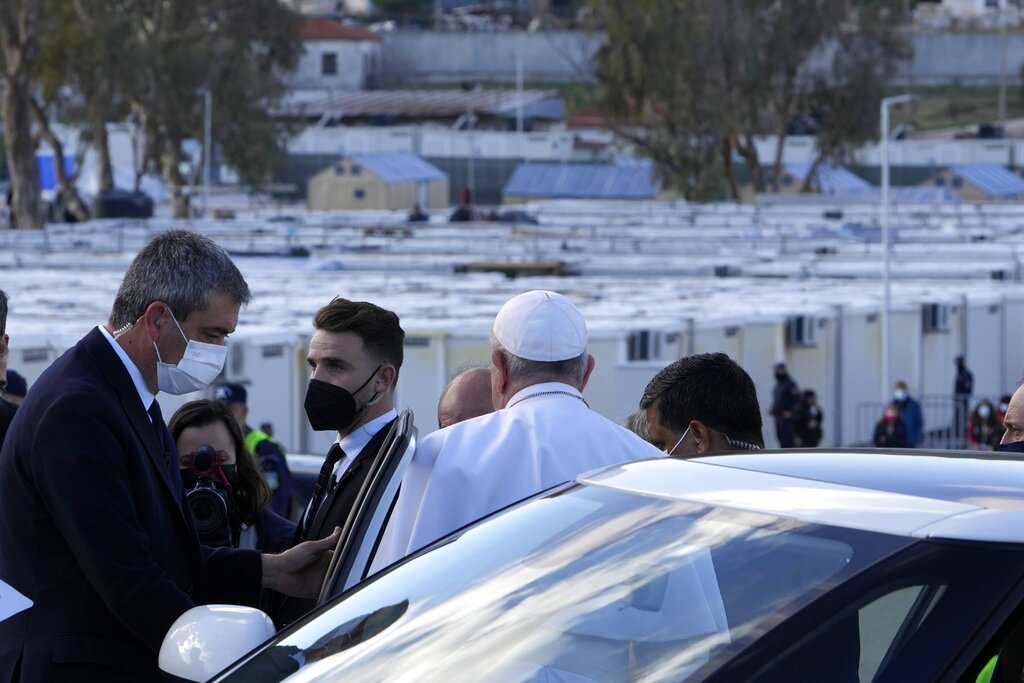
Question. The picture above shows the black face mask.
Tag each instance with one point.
(1011, 447)
(332, 407)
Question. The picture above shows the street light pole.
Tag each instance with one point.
(887, 103)
(207, 151)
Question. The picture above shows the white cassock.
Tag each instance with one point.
(545, 436)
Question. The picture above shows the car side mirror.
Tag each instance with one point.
(206, 639)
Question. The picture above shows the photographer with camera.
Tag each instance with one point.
(229, 500)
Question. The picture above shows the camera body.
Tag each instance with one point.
(208, 502)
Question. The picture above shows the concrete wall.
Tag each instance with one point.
(419, 57)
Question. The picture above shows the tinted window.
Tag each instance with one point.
(586, 584)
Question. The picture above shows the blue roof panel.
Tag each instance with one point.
(399, 167)
(992, 179)
(830, 178)
(632, 179)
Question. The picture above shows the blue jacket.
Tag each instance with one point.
(913, 419)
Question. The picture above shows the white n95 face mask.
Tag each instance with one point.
(199, 366)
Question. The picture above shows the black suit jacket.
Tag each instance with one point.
(333, 511)
(7, 410)
(93, 529)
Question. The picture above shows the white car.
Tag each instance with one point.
(816, 565)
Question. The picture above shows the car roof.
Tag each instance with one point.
(838, 491)
(990, 480)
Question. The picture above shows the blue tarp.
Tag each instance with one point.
(47, 177)
(993, 179)
(625, 179)
(399, 167)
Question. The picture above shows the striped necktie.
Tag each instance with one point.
(323, 482)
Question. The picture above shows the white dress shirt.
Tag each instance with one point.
(145, 394)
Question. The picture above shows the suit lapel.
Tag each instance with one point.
(348, 478)
(117, 376)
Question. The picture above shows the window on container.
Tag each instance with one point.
(359, 193)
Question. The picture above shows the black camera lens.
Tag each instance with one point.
(210, 512)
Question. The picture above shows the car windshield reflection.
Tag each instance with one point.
(587, 584)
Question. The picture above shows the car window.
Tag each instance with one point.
(882, 619)
(586, 584)
(927, 613)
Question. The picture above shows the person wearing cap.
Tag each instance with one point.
(268, 452)
(541, 434)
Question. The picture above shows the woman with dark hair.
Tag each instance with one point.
(226, 492)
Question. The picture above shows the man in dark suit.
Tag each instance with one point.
(6, 407)
(355, 355)
(93, 526)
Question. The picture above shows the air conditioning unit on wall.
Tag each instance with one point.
(802, 330)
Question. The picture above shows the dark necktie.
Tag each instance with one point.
(162, 435)
(323, 482)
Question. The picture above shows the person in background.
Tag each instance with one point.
(417, 214)
(262, 445)
(890, 432)
(1004, 405)
(636, 422)
(7, 408)
(983, 427)
(910, 414)
(16, 388)
(963, 387)
(700, 404)
(1013, 424)
(468, 395)
(785, 403)
(808, 422)
(231, 473)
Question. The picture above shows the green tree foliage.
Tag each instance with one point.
(103, 60)
(846, 95)
(692, 83)
(238, 50)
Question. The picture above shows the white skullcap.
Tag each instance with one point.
(541, 326)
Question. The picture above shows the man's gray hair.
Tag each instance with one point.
(573, 370)
(179, 268)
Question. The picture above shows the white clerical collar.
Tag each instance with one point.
(357, 440)
(145, 394)
(547, 390)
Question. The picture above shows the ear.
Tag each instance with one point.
(386, 378)
(591, 363)
(701, 436)
(499, 378)
(155, 319)
(4, 344)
